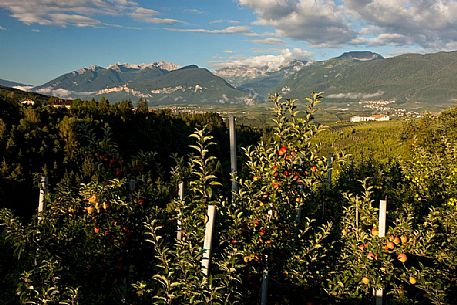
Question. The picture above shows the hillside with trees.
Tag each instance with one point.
(299, 228)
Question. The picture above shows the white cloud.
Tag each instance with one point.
(23, 88)
(2, 28)
(269, 41)
(77, 20)
(227, 30)
(427, 23)
(148, 15)
(266, 50)
(55, 92)
(319, 22)
(393, 39)
(80, 13)
(273, 62)
(193, 11)
(62, 93)
(355, 95)
(119, 26)
(225, 21)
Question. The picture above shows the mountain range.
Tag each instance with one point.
(159, 83)
(7, 83)
(411, 80)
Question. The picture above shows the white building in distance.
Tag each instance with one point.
(379, 117)
(28, 102)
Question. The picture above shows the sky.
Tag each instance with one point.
(43, 39)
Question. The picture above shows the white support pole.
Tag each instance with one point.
(43, 194)
(378, 293)
(298, 209)
(181, 190)
(181, 197)
(330, 169)
(382, 217)
(352, 168)
(41, 205)
(264, 297)
(232, 137)
(132, 187)
(208, 239)
(357, 214)
(329, 178)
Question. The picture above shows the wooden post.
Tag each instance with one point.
(378, 293)
(264, 298)
(181, 197)
(232, 137)
(208, 239)
(42, 198)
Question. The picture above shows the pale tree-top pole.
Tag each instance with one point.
(41, 205)
(329, 178)
(382, 233)
(207, 245)
(330, 169)
(181, 197)
(264, 296)
(132, 187)
(265, 273)
(232, 137)
(43, 194)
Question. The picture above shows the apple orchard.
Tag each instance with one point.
(299, 227)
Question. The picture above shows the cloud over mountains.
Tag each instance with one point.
(273, 62)
(427, 23)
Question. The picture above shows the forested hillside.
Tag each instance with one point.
(415, 81)
(92, 140)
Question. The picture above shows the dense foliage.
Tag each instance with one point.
(94, 141)
(116, 232)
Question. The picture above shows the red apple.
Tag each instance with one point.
(262, 231)
(412, 280)
(371, 256)
(390, 245)
(374, 231)
(402, 257)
